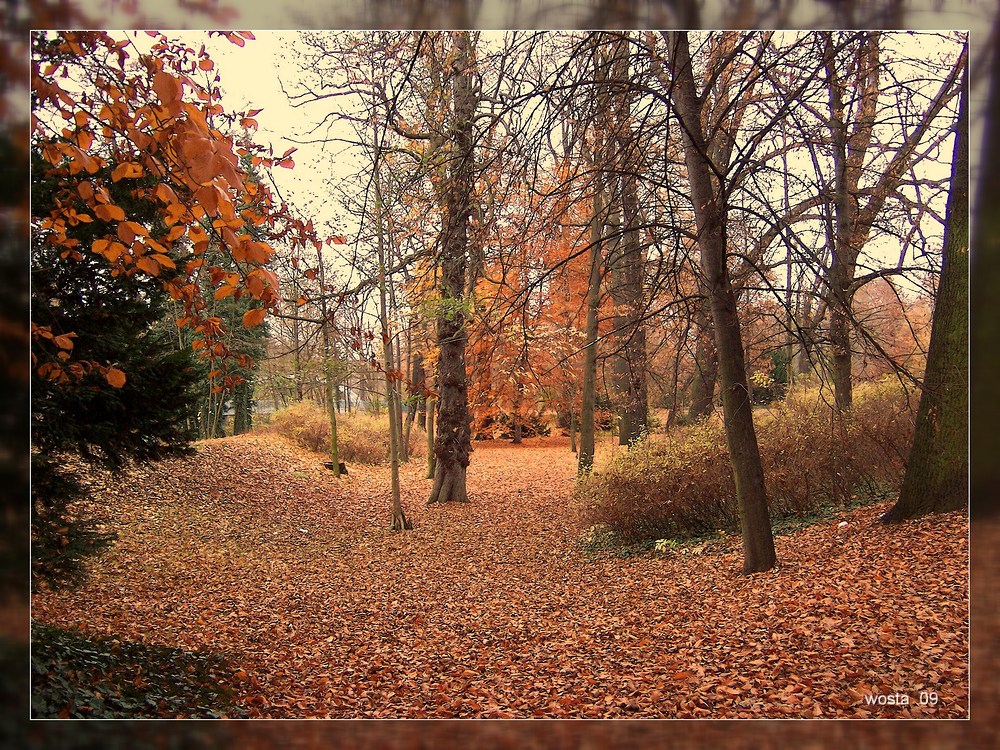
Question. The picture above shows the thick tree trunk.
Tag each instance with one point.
(710, 216)
(936, 478)
(243, 407)
(984, 285)
(706, 362)
(453, 444)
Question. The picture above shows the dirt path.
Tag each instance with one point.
(252, 549)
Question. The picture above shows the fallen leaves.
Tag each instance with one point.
(490, 609)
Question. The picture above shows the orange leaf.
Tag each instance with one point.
(109, 212)
(174, 213)
(126, 170)
(115, 377)
(65, 341)
(257, 253)
(254, 317)
(166, 193)
(148, 265)
(166, 87)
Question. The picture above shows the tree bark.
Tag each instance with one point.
(631, 365)
(848, 159)
(416, 400)
(398, 520)
(706, 361)
(453, 443)
(710, 217)
(328, 373)
(627, 258)
(984, 285)
(429, 413)
(936, 478)
(587, 427)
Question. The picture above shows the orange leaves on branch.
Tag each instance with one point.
(174, 213)
(257, 253)
(163, 122)
(147, 264)
(110, 249)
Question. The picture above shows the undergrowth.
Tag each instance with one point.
(680, 486)
(75, 676)
(361, 438)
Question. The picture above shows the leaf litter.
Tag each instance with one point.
(491, 609)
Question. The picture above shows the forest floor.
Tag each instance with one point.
(309, 606)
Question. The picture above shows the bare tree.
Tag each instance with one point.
(710, 214)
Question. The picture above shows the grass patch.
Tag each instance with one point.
(76, 676)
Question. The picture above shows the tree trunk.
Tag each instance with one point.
(243, 407)
(587, 428)
(706, 361)
(572, 425)
(430, 409)
(398, 520)
(417, 399)
(453, 444)
(710, 217)
(328, 374)
(630, 365)
(984, 284)
(936, 478)
(626, 262)
(331, 406)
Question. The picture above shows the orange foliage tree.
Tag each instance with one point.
(102, 104)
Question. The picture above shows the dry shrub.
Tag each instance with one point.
(361, 438)
(304, 423)
(682, 485)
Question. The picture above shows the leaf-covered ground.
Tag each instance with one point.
(253, 551)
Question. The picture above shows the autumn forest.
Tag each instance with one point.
(450, 374)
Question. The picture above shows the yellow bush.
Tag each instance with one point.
(361, 438)
(681, 484)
